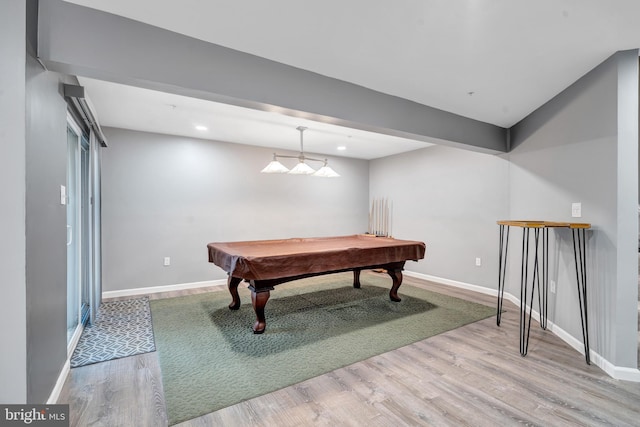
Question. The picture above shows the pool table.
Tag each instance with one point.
(267, 263)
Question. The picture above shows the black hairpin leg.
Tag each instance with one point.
(502, 268)
(525, 324)
(580, 255)
(543, 290)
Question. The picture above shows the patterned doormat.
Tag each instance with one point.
(122, 328)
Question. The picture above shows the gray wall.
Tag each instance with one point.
(582, 147)
(32, 255)
(450, 199)
(46, 159)
(13, 360)
(170, 196)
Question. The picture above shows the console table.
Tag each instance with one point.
(541, 262)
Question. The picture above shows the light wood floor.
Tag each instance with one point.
(471, 376)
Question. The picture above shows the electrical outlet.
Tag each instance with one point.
(576, 210)
(478, 262)
(167, 261)
(552, 286)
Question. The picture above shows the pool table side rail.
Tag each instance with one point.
(298, 258)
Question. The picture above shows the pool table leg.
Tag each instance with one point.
(396, 275)
(356, 278)
(232, 284)
(259, 300)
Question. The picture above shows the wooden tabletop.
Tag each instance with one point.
(544, 224)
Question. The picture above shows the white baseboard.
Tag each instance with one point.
(66, 368)
(165, 288)
(454, 283)
(616, 372)
(624, 374)
(57, 389)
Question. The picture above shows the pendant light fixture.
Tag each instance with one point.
(275, 166)
(301, 168)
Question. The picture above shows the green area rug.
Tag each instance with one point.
(210, 358)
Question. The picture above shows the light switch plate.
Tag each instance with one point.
(63, 195)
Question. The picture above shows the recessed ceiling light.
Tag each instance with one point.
(342, 148)
(200, 127)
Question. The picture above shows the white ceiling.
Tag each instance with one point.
(490, 60)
